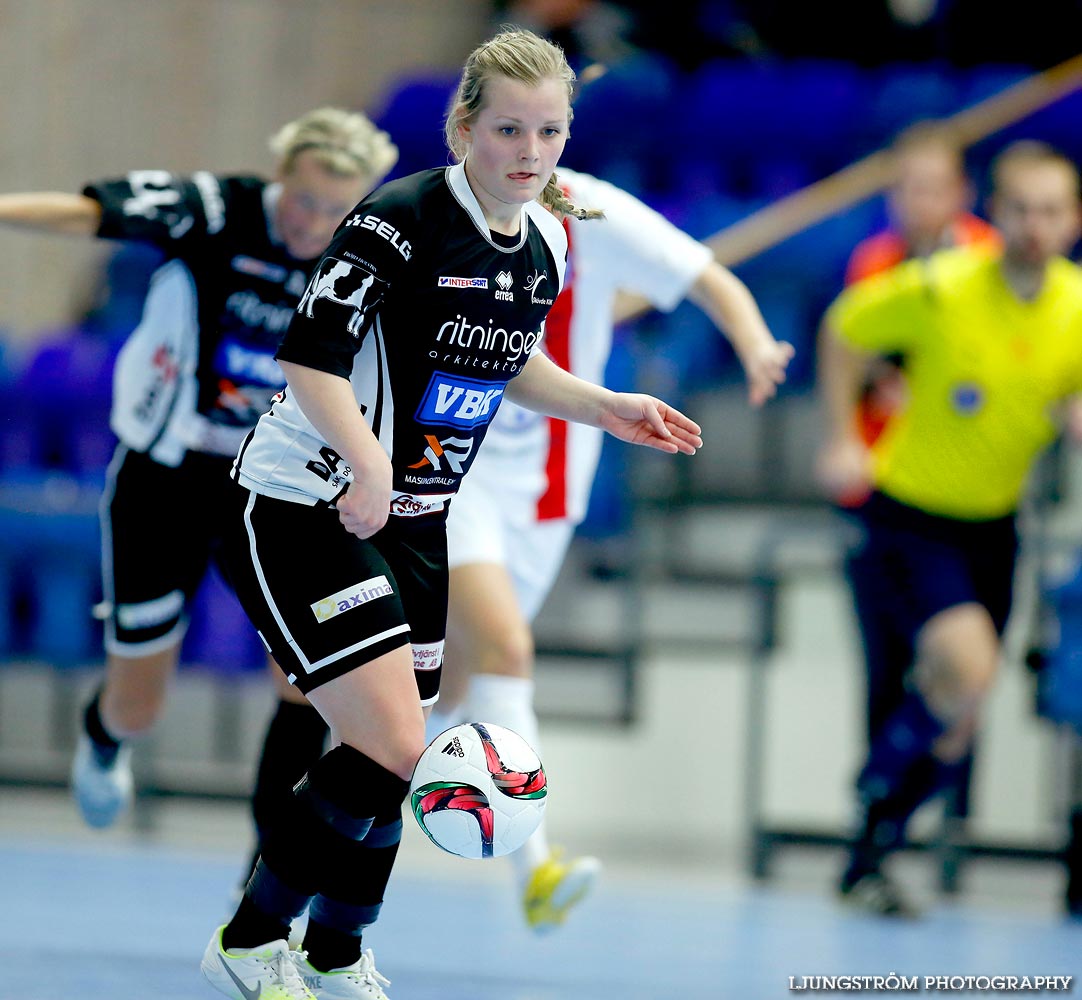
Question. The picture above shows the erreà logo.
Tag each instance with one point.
(505, 281)
(351, 597)
(454, 748)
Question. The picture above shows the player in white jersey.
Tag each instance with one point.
(512, 522)
(189, 383)
(420, 317)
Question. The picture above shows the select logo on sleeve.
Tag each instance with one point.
(453, 401)
(351, 597)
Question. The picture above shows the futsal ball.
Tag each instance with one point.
(478, 790)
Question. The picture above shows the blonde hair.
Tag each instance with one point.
(930, 134)
(1027, 152)
(344, 142)
(530, 59)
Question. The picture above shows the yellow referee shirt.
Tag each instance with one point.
(984, 371)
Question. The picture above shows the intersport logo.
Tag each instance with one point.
(462, 282)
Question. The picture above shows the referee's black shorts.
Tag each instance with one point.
(325, 601)
(908, 567)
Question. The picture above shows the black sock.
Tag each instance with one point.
(105, 746)
(271, 903)
(330, 948)
(344, 788)
(251, 927)
(294, 741)
(333, 936)
(885, 820)
(878, 834)
(313, 849)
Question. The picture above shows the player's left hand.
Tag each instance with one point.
(640, 419)
(764, 367)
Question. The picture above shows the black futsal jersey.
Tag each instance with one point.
(429, 316)
(199, 369)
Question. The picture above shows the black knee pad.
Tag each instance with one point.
(348, 790)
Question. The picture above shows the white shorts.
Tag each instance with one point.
(491, 522)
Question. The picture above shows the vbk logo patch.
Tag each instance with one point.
(453, 401)
(351, 597)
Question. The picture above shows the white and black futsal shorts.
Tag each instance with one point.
(161, 530)
(324, 601)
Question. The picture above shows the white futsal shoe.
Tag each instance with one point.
(359, 981)
(101, 792)
(264, 973)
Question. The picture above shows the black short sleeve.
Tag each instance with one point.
(364, 264)
(155, 206)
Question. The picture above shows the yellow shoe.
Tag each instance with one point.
(555, 887)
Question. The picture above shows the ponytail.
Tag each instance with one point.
(554, 199)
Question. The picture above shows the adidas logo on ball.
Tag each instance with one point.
(454, 748)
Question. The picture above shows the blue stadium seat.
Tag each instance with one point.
(982, 82)
(49, 544)
(901, 94)
(413, 112)
(220, 637)
(618, 119)
(747, 112)
(65, 393)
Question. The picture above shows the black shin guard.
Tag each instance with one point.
(360, 803)
(317, 847)
(335, 926)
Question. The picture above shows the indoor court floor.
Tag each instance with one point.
(122, 916)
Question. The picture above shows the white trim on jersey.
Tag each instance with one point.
(272, 194)
(155, 390)
(551, 230)
(274, 459)
(455, 176)
(386, 427)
